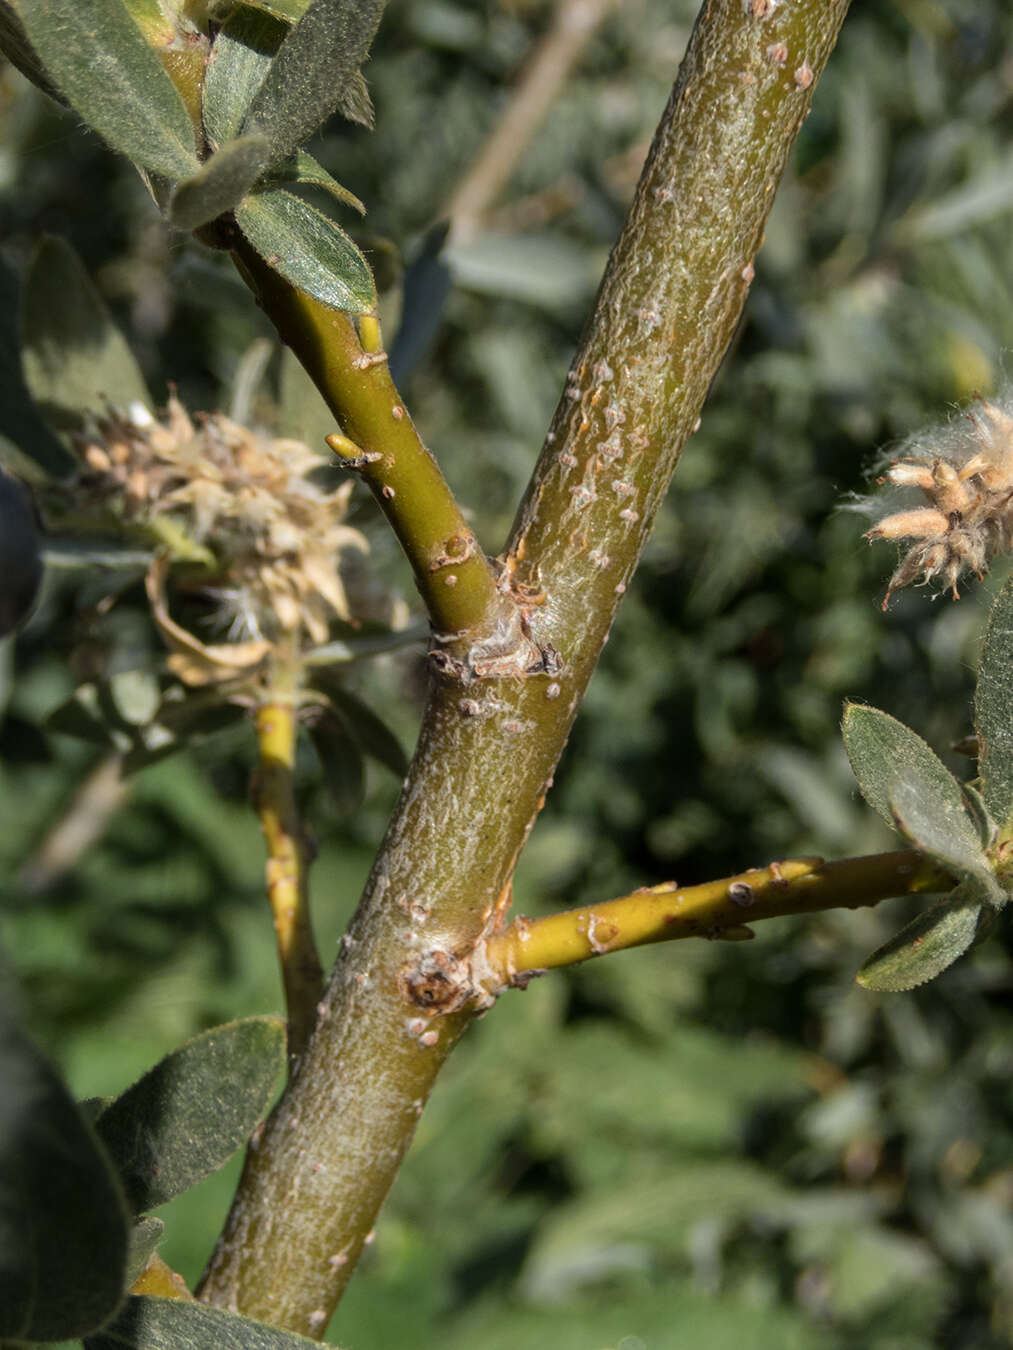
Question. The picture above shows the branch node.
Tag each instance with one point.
(352, 456)
(438, 982)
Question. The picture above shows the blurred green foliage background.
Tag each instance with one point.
(710, 1145)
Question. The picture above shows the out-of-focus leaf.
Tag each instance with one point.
(76, 361)
(19, 51)
(148, 1323)
(371, 733)
(240, 58)
(929, 944)
(340, 758)
(223, 181)
(427, 284)
(907, 783)
(984, 196)
(189, 1114)
(538, 269)
(135, 695)
(20, 559)
(613, 1226)
(993, 709)
(308, 249)
(302, 168)
(20, 420)
(97, 56)
(316, 73)
(360, 647)
(144, 1238)
(63, 1222)
(83, 717)
(302, 412)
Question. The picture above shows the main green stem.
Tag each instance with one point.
(493, 731)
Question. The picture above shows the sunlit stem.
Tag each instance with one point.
(289, 856)
(717, 909)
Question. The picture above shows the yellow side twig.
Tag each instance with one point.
(717, 909)
(288, 862)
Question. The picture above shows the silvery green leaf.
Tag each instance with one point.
(240, 57)
(187, 1116)
(308, 248)
(940, 827)
(885, 753)
(98, 58)
(223, 181)
(148, 1323)
(929, 944)
(316, 73)
(303, 169)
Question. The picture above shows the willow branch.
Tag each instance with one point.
(716, 909)
(288, 863)
(379, 440)
(398, 997)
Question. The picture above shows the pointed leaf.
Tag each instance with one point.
(941, 827)
(97, 56)
(884, 753)
(340, 758)
(308, 249)
(63, 1222)
(148, 1323)
(926, 946)
(224, 180)
(316, 73)
(303, 168)
(75, 359)
(240, 57)
(144, 1238)
(189, 1114)
(993, 709)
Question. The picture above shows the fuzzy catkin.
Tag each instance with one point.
(964, 473)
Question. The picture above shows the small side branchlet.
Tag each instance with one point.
(964, 473)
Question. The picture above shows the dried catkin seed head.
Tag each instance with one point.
(278, 537)
(964, 473)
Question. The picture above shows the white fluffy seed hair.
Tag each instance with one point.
(957, 479)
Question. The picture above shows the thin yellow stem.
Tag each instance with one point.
(288, 861)
(378, 439)
(717, 909)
